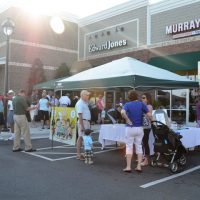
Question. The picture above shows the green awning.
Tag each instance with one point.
(177, 62)
(48, 85)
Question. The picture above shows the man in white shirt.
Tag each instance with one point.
(84, 117)
(65, 100)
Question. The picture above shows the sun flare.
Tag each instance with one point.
(57, 25)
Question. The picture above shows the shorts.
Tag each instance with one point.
(33, 113)
(103, 114)
(1, 119)
(10, 117)
(88, 154)
(86, 126)
(44, 115)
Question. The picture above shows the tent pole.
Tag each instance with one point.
(53, 121)
(170, 105)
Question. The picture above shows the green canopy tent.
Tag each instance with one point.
(48, 85)
(127, 73)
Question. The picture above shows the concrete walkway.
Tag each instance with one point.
(38, 133)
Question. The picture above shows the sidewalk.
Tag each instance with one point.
(38, 133)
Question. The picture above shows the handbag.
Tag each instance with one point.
(145, 120)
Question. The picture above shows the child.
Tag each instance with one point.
(88, 145)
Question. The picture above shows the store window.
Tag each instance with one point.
(175, 102)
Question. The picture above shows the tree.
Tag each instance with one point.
(36, 74)
(63, 70)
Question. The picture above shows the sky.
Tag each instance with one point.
(80, 8)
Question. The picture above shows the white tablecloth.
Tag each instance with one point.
(112, 133)
(191, 137)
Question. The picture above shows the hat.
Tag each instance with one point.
(84, 92)
(10, 91)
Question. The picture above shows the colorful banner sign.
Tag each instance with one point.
(63, 125)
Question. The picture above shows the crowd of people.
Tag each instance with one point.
(134, 112)
(22, 109)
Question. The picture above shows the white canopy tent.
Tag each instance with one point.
(126, 72)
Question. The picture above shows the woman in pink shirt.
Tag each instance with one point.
(101, 112)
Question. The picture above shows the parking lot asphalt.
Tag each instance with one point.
(54, 173)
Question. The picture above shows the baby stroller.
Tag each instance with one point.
(114, 115)
(168, 146)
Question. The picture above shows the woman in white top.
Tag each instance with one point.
(43, 107)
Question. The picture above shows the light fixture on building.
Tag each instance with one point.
(117, 29)
(8, 28)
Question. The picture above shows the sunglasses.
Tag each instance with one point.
(143, 97)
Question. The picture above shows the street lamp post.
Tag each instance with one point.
(8, 28)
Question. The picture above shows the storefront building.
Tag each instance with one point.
(166, 35)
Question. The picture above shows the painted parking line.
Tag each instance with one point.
(170, 177)
(66, 158)
(41, 154)
(53, 153)
(63, 146)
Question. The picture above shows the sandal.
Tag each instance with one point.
(81, 157)
(138, 170)
(145, 163)
(127, 170)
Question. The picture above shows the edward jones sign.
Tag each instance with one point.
(108, 45)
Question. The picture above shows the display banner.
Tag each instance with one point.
(63, 125)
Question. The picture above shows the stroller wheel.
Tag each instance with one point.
(182, 160)
(173, 167)
(153, 163)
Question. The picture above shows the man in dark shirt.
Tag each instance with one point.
(21, 126)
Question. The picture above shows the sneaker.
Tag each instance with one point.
(30, 150)
(17, 150)
(12, 137)
(90, 162)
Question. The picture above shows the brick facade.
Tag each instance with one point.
(34, 38)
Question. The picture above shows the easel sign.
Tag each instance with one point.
(63, 125)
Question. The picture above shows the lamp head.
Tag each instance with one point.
(8, 27)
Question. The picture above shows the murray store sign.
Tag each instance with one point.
(108, 45)
(184, 29)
